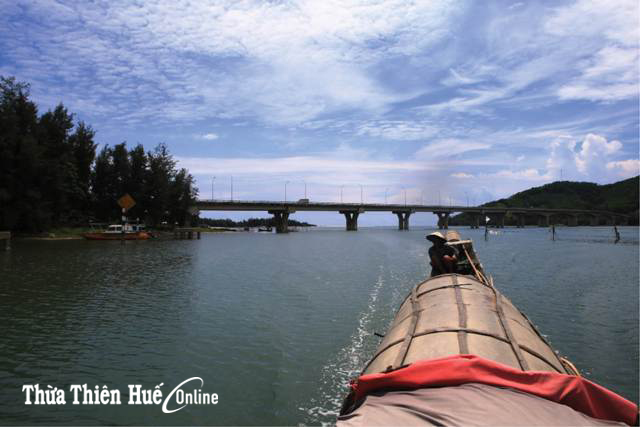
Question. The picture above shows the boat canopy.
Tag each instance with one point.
(457, 314)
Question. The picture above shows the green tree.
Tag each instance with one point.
(138, 175)
(158, 183)
(61, 181)
(183, 194)
(50, 174)
(84, 152)
(103, 186)
(21, 198)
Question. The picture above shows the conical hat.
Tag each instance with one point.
(435, 235)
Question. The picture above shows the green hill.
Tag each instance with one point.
(620, 197)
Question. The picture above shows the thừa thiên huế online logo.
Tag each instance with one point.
(188, 392)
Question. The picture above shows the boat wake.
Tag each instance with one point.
(346, 364)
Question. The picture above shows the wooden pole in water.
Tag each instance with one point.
(615, 230)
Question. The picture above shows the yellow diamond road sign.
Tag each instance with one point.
(126, 202)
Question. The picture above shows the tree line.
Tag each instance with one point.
(251, 222)
(51, 174)
(619, 197)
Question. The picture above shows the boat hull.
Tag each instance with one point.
(456, 335)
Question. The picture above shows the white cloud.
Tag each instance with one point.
(447, 148)
(625, 168)
(593, 159)
(290, 165)
(461, 175)
(611, 73)
(280, 62)
(561, 160)
(530, 174)
(397, 129)
(210, 136)
(593, 151)
(587, 50)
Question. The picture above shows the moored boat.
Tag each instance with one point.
(115, 232)
(460, 353)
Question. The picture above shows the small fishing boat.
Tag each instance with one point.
(460, 353)
(115, 232)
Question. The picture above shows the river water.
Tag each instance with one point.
(276, 325)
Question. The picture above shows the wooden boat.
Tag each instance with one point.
(456, 339)
(114, 232)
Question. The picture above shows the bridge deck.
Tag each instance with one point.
(262, 205)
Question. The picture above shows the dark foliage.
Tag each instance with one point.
(620, 197)
(251, 222)
(50, 174)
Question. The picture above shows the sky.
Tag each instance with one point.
(431, 102)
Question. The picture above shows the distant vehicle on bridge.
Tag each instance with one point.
(304, 201)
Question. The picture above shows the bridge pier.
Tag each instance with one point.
(281, 219)
(608, 220)
(403, 219)
(543, 220)
(521, 220)
(497, 219)
(573, 221)
(443, 220)
(594, 220)
(352, 219)
(475, 220)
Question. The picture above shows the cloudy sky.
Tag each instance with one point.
(440, 101)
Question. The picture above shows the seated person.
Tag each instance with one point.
(443, 258)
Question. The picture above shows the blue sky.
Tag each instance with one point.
(435, 99)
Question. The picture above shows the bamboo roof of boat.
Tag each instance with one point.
(464, 313)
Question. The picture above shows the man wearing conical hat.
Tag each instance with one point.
(443, 257)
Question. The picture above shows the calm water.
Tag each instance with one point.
(278, 324)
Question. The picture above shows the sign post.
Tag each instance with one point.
(126, 202)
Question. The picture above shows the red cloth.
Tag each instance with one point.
(575, 392)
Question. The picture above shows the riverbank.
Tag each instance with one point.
(75, 233)
(61, 233)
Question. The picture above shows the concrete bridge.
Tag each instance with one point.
(351, 211)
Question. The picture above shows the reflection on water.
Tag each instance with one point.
(278, 324)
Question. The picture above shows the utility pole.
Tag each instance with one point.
(361, 196)
(285, 191)
(405, 195)
(213, 182)
(385, 195)
(341, 187)
(232, 188)
(305, 189)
